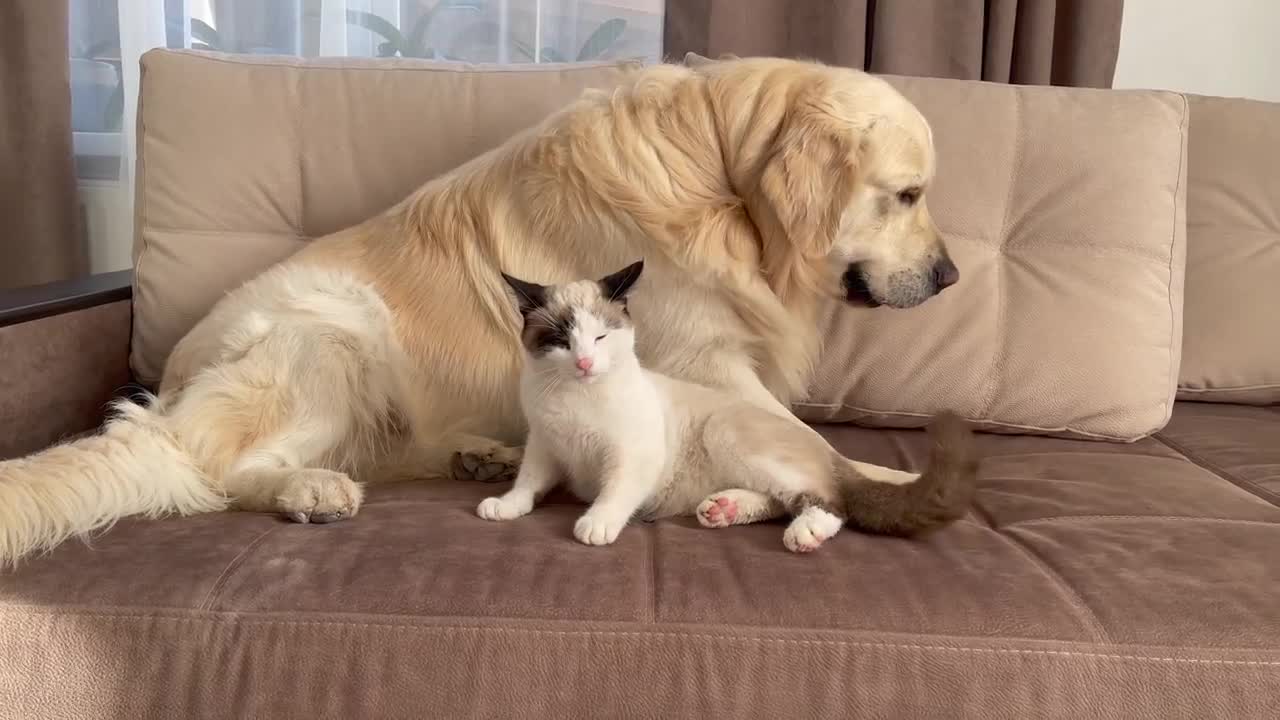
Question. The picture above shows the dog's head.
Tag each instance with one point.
(834, 166)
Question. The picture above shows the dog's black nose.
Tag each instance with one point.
(945, 274)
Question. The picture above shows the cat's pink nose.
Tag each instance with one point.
(584, 364)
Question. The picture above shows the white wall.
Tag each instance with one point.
(1219, 47)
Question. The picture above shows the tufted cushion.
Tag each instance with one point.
(1231, 350)
(242, 159)
(1064, 209)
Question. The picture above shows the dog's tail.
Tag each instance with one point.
(134, 467)
(942, 494)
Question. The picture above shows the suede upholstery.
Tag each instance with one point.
(1093, 580)
(57, 375)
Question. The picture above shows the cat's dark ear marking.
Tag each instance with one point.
(616, 286)
(529, 296)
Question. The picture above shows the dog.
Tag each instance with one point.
(754, 188)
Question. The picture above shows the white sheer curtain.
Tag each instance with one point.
(108, 36)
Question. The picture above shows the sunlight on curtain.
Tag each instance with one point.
(108, 36)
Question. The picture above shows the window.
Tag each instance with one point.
(108, 36)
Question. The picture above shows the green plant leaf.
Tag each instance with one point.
(417, 40)
(379, 26)
(205, 33)
(522, 48)
(479, 33)
(602, 39)
(104, 49)
(417, 37)
(113, 113)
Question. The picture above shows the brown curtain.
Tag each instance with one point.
(1031, 42)
(39, 239)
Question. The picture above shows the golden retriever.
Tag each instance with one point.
(752, 189)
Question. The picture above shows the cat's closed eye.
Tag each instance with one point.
(601, 337)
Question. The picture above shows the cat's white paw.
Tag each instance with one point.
(598, 529)
(501, 508)
(810, 529)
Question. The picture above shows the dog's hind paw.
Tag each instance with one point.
(496, 463)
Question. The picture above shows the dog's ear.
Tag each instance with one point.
(806, 183)
(616, 286)
(529, 296)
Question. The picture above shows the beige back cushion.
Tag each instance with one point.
(1231, 352)
(242, 159)
(1065, 211)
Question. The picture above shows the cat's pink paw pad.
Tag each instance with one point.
(717, 511)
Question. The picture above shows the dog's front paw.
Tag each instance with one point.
(598, 529)
(319, 496)
(500, 508)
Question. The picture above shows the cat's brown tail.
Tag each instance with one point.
(942, 494)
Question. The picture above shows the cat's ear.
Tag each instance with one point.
(616, 286)
(529, 296)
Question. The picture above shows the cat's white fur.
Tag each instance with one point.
(632, 441)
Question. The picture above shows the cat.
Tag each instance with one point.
(631, 442)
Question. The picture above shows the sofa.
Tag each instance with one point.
(1114, 336)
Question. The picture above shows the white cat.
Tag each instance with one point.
(631, 441)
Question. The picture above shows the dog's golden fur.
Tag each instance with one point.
(750, 187)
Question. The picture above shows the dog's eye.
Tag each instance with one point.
(909, 196)
(601, 337)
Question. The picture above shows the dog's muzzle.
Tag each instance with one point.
(856, 291)
(903, 289)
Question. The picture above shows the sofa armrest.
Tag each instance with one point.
(64, 354)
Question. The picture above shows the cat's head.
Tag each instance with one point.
(580, 329)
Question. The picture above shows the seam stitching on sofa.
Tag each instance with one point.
(1248, 486)
(139, 210)
(1074, 597)
(1074, 453)
(1229, 388)
(298, 114)
(230, 232)
(298, 63)
(924, 417)
(1069, 654)
(997, 357)
(1175, 334)
(651, 567)
(216, 590)
(1093, 518)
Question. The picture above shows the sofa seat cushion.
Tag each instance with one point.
(1093, 580)
(1239, 444)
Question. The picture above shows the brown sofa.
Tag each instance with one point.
(1092, 579)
